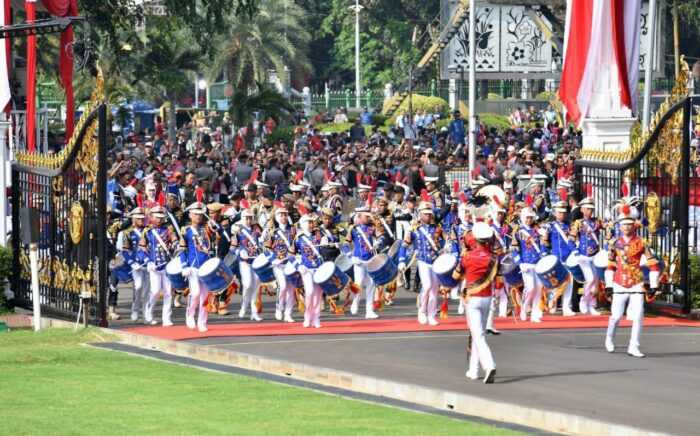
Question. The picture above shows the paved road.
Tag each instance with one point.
(567, 371)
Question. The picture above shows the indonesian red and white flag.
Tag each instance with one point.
(601, 44)
(4, 62)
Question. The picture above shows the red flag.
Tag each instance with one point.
(563, 194)
(299, 176)
(455, 186)
(424, 196)
(529, 200)
(199, 193)
(245, 204)
(253, 177)
(358, 178)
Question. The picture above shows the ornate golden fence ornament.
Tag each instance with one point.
(75, 223)
(666, 151)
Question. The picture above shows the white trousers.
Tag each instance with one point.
(477, 312)
(312, 296)
(590, 285)
(532, 292)
(429, 290)
(141, 287)
(285, 293)
(364, 281)
(249, 287)
(499, 303)
(158, 283)
(635, 311)
(197, 298)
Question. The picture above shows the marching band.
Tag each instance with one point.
(495, 251)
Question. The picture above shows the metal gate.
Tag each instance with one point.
(59, 202)
(656, 169)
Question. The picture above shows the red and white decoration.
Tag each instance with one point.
(601, 60)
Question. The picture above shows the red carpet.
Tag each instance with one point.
(395, 325)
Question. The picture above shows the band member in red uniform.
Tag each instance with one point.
(625, 280)
(478, 268)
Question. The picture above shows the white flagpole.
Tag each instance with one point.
(472, 87)
(648, 63)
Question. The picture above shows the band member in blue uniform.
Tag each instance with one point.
(588, 234)
(306, 245)
(363, 241)
(526, 241)
(427, 240)
(247, 236)
(559, 239)
(279, 237)
(138, 268)
(159, 243)
(501, 245)
(196, 246)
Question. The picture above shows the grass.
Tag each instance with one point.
(51, 384)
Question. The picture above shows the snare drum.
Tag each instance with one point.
(395, 251)
(344, 263)
(263, 269)
(331, 279)
(573, 266)
(510, 270)
(292, 275)
(382, 269)
(215, 275)
(600, 262)
(443, 267)
(232, 261)
(173, 270)
(551, 272)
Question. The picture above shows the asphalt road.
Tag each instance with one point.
(567, 371)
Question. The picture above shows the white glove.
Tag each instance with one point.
(135, 267)
(402, 266)
(186, 272)
(151, 267)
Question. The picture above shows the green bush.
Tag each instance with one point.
(420, 102)
(493, 96)
(5, 273)
(345, 127)
(694, 280)
(500, 122)
(285, 133)
(379, 119)
(546, 95)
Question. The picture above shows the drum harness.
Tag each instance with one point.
(162, 244)
(365, 239)
(250, 238)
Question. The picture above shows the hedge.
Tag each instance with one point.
(419, 102)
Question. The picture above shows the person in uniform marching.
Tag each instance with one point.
(479, 267)
(279, 238)
(138, 271)
(588, 234)
(427, 240)
(195, 249)
(247, 238)
(526, 241)
(335, 201)
(159, 243)
(331, 235)
(306, 245)
(218, 231)
(362, 238)
(625, 280)
(502, 243)
(560, 240)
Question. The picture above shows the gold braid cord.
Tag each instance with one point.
(666, 151)
(87, 156)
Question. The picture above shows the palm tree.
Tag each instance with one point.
(165, 66)
(274, 38)
(265, 100)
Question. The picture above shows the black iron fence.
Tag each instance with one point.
(59, 203)
(660, 175)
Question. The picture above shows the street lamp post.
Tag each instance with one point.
(357, 8)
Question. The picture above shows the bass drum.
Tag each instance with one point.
(510, 270)
(443, 267)
(215, 275)
(551, 272)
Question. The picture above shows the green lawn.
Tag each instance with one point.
(50, 384)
